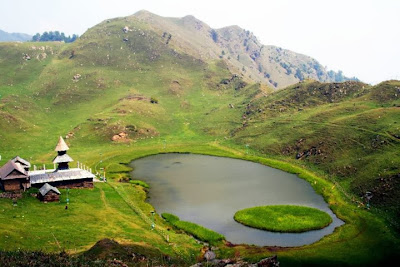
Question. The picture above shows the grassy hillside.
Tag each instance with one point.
(117, 80)
(123, 91)
(348, 130)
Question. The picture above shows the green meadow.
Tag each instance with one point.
(344, 139)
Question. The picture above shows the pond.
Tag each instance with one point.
(208, 190)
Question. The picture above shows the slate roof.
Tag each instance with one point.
(22, 161)
(61, 146)
(9, 167)
(47, 188)
(38, 177)
(62, 158)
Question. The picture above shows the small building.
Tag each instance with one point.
(48, 193)
(13, 176)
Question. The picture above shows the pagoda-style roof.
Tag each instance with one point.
(20, 160)
(12, 170)
(61, 146)
(47, 188)
(62, 158)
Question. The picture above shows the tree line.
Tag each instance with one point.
(54, 36)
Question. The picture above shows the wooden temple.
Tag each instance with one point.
(63, 176)
(15, 174)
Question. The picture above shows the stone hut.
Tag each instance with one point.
(48, 193)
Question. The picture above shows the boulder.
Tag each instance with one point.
(76, 77)
(119, 137)
(26, 57)
(209, 255)
(125, 29)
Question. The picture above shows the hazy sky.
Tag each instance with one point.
(360, 37)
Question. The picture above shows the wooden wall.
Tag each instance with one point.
(79, 183)
(15, 184)
(49, 197)
(11, 185)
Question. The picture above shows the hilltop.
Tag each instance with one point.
(240, 49)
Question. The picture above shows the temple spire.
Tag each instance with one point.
(61, 146)
(62, 158)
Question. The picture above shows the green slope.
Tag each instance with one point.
(348, 130)
(117, 80)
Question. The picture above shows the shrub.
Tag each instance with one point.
(153, 100)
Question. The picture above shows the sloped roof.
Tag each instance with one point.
(38, 177)
(61, 146)
(47, 188)
(22, 161)
(9, 167)
(63, 158)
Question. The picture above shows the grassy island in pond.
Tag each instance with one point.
(284, 218)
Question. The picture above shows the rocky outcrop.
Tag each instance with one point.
(235, 81)
(267, 262)
(122, 136)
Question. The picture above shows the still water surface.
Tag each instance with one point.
(209, 190)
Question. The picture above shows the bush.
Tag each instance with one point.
(153, 100)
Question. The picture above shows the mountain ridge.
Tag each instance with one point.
(15, 36)
(242, 51)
